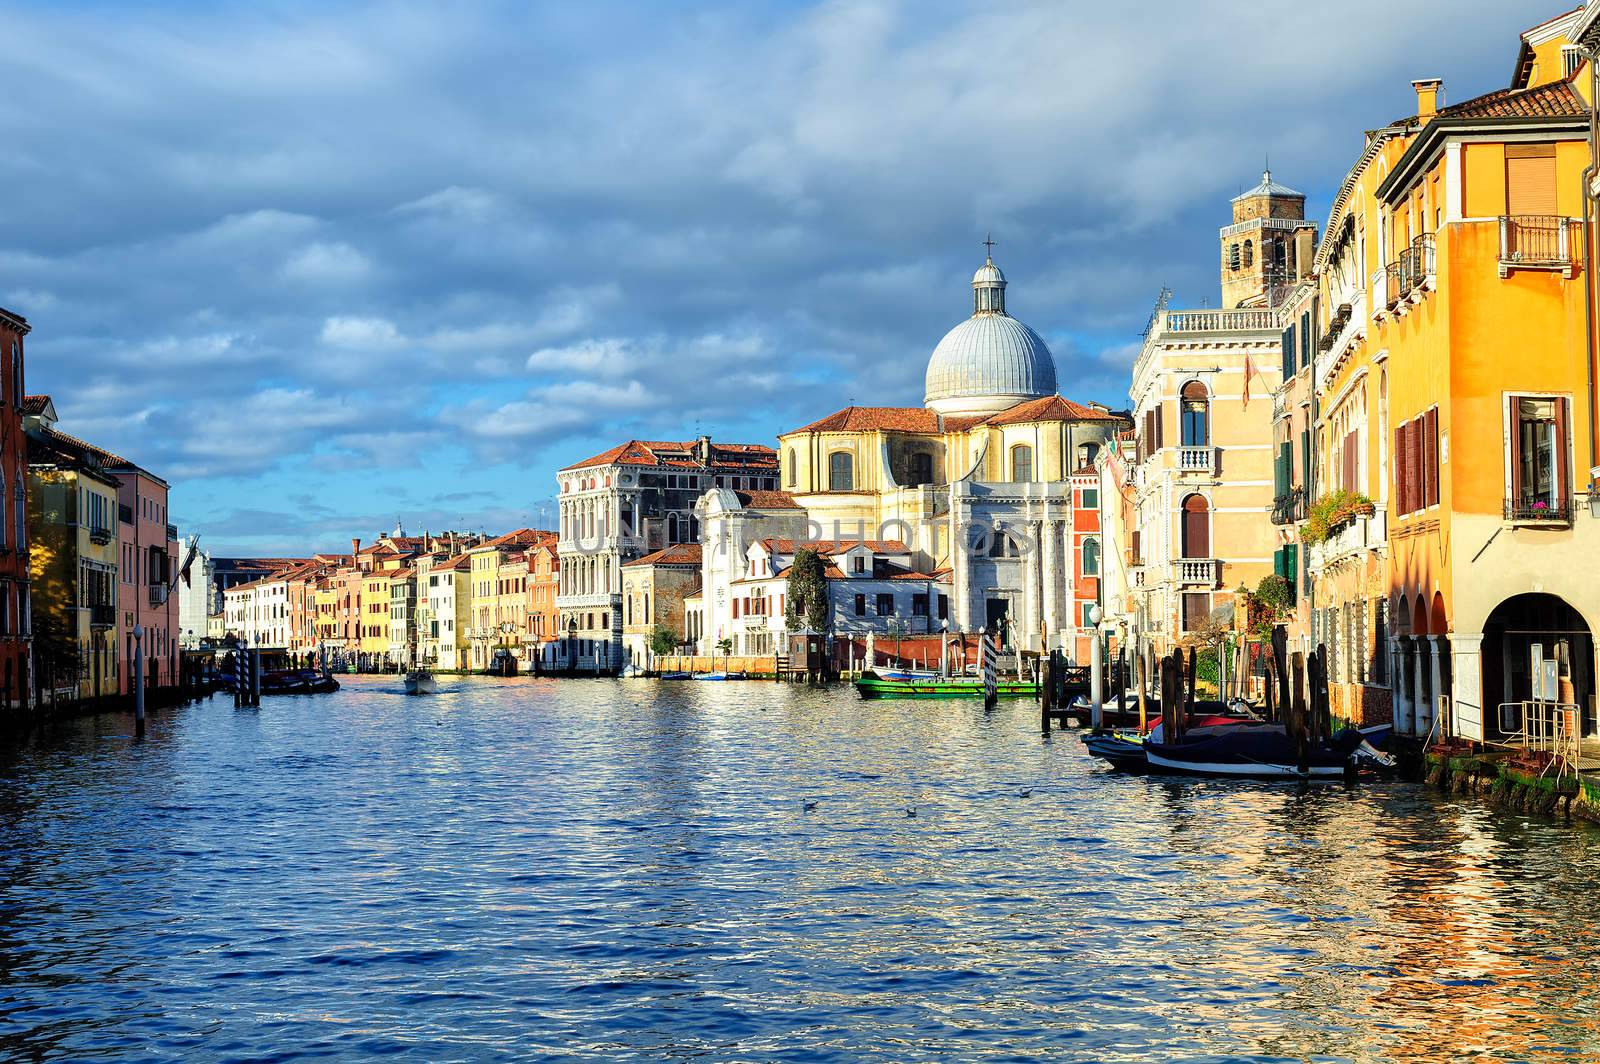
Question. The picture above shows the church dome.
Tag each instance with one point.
(991, 361)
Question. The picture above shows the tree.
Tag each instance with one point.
(663, 641)
(808, 594)
(725, 645)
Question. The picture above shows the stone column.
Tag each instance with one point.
(1472, 718)
(1028, 623)
(1399, 685)
(1441, 647)
(1050, 573)
(960, 564)
(1421, 711)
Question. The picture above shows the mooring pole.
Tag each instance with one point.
(138, 681)
(1096, 674)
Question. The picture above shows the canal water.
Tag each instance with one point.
(587, 870)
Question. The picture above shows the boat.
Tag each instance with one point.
(676, 676)
(721, 676)
(1263, 752)
(1081, 713)
(421, 682)
(294, 682)
(873, 684)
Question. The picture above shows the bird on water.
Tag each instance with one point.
(911, 810)
(808, 806)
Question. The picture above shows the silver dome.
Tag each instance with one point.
(989, 357)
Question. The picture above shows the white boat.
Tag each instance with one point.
(420, 682)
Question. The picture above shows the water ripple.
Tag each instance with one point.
(590, 871)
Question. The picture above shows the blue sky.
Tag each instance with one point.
(324, 266)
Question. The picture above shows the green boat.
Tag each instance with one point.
(903, 685)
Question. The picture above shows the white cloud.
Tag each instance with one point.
(331, 263)
(362, 334)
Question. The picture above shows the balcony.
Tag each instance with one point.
(1555, 513)
(99, 534)
(158, 594)
(1536, 242)
(1205, 321)
(1289, 507)
(1361, 534)
(104, 616)
(1393, 291)
(1197, 460)
(1201, 571)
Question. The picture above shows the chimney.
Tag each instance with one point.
(1428, 90)
(355, 548)
(1305, 251)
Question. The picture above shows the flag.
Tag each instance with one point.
(1249, 371)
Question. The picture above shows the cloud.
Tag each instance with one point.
(364, 251)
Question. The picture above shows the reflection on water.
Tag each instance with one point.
(588, 870)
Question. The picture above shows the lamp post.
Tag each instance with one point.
(138, 681)
(944, 649)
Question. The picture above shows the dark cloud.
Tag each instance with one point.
(380, 254)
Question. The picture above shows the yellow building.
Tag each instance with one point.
(374, 623)
(1477, 400)
(72, 527)
(498, 575)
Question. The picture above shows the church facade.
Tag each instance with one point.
(991, 481)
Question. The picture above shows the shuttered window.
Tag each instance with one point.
(1530, 179)
(1196, 527)
(1288, 352)
(1430, 457)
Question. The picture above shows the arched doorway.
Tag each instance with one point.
(1510, 635)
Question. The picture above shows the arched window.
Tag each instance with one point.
(921, 469)
(672, 528)
(1233, 257)
(1195, 415)
(789, 467)
(1091, 557)
(1196, 527)
(2, 510)
(1249, 254)
(841, 471)
(1021, 463)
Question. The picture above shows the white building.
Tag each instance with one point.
(258, 612)
(198, 600)
(624, 503)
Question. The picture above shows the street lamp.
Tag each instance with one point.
(138, 681)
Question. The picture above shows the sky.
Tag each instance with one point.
(329, 267)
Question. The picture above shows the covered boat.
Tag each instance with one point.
(872, 684)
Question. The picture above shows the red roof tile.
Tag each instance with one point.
(870, 418)
(677, 554)
(835, 546)
(1556, 99)
(767, 500)
(917, 419)
(1050, 408)
(681, 454)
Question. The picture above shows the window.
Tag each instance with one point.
(841, 471)
(919, 605)
(16, 373)
(1193, 415)
(1538, 458)
(1233, 257)
(1416, 463)
(1249, 254)
(1091, 499)
(1091, 557)
(885, 605)
(1288, 352)
(1196, 608)
(858, 564)
(861, 605)
(944, 607)
(788, 463)
(1087, 452)
(1021, 464)
(1086, 620)
(1531, 180)
(921, 471)
(1196, 533)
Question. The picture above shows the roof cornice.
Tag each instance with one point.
(1422, 151)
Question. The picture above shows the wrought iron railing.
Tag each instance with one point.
(1553, 511)
(1394, 287)
(1289, 507)
(1534, 240)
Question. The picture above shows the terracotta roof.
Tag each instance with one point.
(522, 537)
(869, 418)
(677, 554)
(767, 500)
(835, 546)
(460, 561)
(33, 405)
(918, 419)
(1050, 408)
(1555, 99)
(830, 571)
(681, 454)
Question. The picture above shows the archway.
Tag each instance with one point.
(1513, 630)
(1419, 617)
(1438, 622)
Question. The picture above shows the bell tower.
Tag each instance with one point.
(1268, 246)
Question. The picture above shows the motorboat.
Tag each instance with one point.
(873, 684)
(717, 677)
(421, 682)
